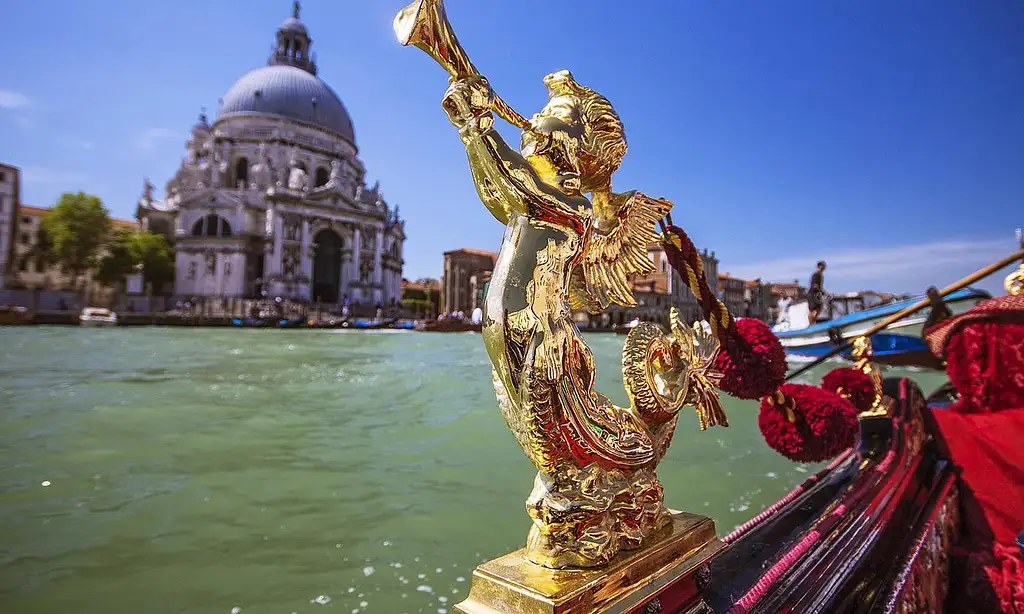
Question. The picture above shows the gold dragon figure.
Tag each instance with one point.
(596, 491)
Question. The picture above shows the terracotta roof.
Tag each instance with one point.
(753, 283)
(433, 286)
(119, 223)
(29, 209)
(725, 276)
(470, 251)
(114, 221)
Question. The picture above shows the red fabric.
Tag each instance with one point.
(983, 436)
(985, 362)
(987, 450)
(987, 581)
(824, 424)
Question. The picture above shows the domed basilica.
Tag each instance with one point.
(270, 199)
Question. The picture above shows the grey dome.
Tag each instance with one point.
(290, 92)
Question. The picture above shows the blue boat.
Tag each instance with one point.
(268, 323)
(898, 345)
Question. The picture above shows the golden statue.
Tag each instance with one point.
(596, 491)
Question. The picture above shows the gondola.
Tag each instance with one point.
(448, 326)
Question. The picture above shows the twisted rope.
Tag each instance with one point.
(683, 256)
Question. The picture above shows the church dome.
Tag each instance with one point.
(291, 92)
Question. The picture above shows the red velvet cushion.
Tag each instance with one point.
(985, 361)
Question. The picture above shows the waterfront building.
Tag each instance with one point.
(10, 201)
(759, 302)
(421, 298)
(789, 289)
(732, 291)
(271, 199)
(466, 272)
(655, 294)
(680, 295)
(30, 269)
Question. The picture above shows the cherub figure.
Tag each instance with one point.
(596, 492)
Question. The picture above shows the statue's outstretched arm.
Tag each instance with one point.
(504, 179)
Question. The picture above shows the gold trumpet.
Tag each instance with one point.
(425, 25)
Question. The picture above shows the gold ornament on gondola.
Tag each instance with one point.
(1014, 282)
(571, 243)
(863, 356)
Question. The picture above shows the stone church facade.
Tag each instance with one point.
(270, 199)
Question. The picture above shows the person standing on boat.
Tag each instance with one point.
(816, 293)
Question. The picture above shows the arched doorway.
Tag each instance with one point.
(327, 267)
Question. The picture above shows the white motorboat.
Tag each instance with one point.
(97, 316)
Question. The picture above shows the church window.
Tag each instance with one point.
(242, 171)
(211, 226)
(322, 176)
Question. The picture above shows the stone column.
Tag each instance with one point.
(378, 247)
(346, 277)
(278, 244)
(356, 248)
(306, 263)
(270, 222)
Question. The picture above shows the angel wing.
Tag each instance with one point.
(613, 257)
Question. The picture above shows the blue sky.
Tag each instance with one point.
(885, 137)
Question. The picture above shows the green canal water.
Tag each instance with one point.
(264, 471)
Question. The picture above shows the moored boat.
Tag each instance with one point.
(448, 326)
(900, 344)
(97, 316)
(269, 322)
(14, 316)
(374, 324)
(623, 329)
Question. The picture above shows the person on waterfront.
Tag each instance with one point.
(816, 293)
(783, 316)
(478, 316)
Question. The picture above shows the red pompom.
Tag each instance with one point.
(851, 384)
(752, 360)
(807, 424)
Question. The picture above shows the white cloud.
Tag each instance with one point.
(899, 268)
(149, 137)
(49, 176)
(12, 100)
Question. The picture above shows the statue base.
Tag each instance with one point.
(668, 569)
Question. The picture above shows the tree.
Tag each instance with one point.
(42, 250)
(154, 254)
(78, 226)
(118, 261)
(129, 251)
